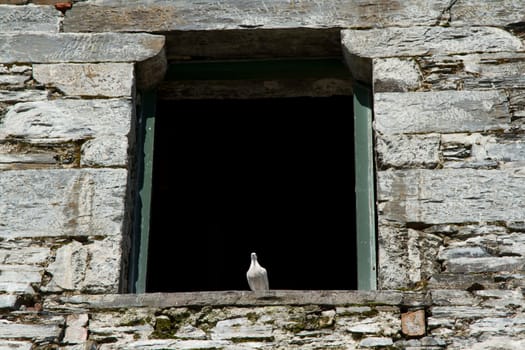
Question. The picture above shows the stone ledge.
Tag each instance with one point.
(239, 298)
(424, 41)
(162, 15)
(146, 50)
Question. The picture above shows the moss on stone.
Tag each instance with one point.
(252, 316)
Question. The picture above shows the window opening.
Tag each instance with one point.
(270, 175)
(274, 176)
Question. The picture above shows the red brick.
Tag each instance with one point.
(413, 323)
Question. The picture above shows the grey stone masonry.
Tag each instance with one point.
(448, 103)
(29, 19)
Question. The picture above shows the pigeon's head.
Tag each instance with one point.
(254, 256)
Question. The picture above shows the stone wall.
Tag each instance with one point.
(449, 106)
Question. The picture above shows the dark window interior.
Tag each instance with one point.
(271, 176)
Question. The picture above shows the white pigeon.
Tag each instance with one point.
(257, 276)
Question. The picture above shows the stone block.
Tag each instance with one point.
(63, 120)
(241, 330)
(492, 264)
(392, 254)
(501, 299)
(92, 268)
(499, 342)
(423, 41)
(105, 151)
(15, 345)
(22, 96)
(413, 323)
(13, 80)
(385, 323)
(16, 287)
(408, 150)
(469, 312)
(96, 79)
(462, 252)
(76, 331)
(29, 19)
(78, 47)
(210, 15)
(21, 254)
(441, 111)
(20, 274)
(103, 270)
(420, 246)
(376, 342)
(17, 68)
(445, 297)
(451, 195)
(395, 75)
(503, 151)
(69, 268)
(470, 11)
(7, 301)
(65, 202)
(29, 331)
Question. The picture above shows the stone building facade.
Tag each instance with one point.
(448, 80)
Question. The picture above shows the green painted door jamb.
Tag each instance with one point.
(364, 189)
(145, 143)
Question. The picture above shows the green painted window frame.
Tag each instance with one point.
(364, 177)
(145, 140)
(365, 189)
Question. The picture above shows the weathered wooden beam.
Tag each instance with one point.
(253, 43)
(238, 298)
(248, 89)
(162, 15)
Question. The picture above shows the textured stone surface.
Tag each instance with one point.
(7, 301)
(102, 79)
(444, 111)
(28, 331)
(18, 278)
(413, 323)
(450, 115)
(107, 150)
(62, 202)
(209, 15)
(470, 11)
(408, 151)
(422, 41)
(477, 71)
(69, 268)
(395, 75)
(15, 345)
(451, 195)
(62, 120)
(29, 19)
(103, 47)
(372, 342)
(491, 264)
(104, 268)
(23, 253)
(22, 96)
(243, 298)
(76, 331)
(241, 329)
